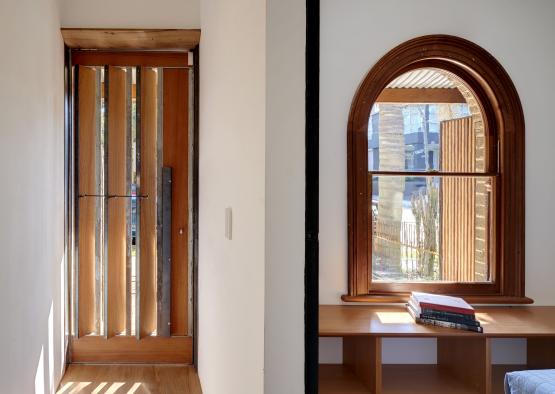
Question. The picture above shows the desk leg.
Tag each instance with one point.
(468, 359)
(363, 355)
(541, 353)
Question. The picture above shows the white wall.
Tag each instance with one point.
(31, 197)
(355, 34)
(232, 174)
(285, 185)
(138, 14)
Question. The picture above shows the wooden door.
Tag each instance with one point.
(132, 272)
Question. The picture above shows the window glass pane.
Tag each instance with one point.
(421, 117)
(430, 229)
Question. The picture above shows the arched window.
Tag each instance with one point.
(436, 176)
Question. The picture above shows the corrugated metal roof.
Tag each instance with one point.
(423, 78)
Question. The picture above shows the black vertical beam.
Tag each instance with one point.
(312, 96)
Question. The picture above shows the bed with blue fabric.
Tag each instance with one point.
(541, 381)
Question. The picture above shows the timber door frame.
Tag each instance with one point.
(148, 352)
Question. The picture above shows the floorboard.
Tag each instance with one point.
(129, 379)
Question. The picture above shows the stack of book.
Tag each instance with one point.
(443, 311)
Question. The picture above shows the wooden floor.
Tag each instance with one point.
(129, 379)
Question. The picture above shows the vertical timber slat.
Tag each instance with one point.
(540, 353)
(117, 186)
(148, 220)
(87, 215)
(454, 353)
(175, 153)
(363, 355)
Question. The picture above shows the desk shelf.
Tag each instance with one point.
(464, 358)
(337, 378)
(400, 379)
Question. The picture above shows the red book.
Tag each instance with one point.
(441, 303)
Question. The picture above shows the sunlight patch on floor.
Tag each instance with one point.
(129, 379)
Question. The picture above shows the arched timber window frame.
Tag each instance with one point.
(504, 125)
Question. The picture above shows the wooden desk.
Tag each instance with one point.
(464, 358)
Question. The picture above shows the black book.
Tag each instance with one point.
(440, 323)
(454, 317)
(448, 317)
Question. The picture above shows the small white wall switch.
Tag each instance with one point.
(228, 223)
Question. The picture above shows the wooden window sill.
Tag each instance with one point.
(403, 298)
